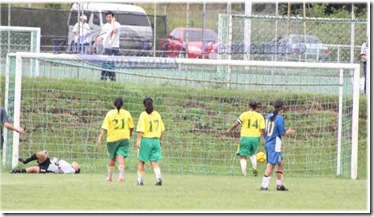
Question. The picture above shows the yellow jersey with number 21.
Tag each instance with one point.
(118, 125)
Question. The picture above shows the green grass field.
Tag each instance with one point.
(179, 193)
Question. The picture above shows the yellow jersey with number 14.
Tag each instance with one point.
(252, 123)
(118, 125)
(150, 124)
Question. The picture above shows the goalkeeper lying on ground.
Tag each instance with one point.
(45, 165)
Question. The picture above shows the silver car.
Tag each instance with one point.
(304, 47)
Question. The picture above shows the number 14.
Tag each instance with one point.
(255, 124)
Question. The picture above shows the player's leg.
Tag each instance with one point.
(104, 73)
(272, 160)
(121, 168)
(243, 152)
(112, 76)
(253, 146)
(279, 173)
(122, 153)
(112, 149)
(33, 169)
(143, 156)
(154, 157)
(243, 164)
(157, 171)
(140, 173)
(111, 165)
(40, 156)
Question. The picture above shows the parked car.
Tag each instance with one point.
(175, 44)
(300, 46)
(136, 30)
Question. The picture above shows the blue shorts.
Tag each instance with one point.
(273, 157)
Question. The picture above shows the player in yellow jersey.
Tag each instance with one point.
(150, 129)
(253, 125)
(119, 125)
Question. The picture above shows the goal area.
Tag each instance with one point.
(64, 105)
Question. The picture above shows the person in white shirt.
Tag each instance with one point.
(364, 58)
(81, 30)
(45, 165)
(109, 39)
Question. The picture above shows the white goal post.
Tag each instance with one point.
(18, 39)
(355, 68)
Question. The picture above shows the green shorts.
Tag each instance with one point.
(120, 147)
(150, 150)
(248, 146)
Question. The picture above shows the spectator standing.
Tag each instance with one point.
(109, 39)
(80, 31)
(364, 59)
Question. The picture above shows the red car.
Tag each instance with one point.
(175, 44)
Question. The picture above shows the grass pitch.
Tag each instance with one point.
(179, 193)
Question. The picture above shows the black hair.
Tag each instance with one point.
(109, 12)
(253, 104)
(148, 103)
(118, 103)
(278, 105)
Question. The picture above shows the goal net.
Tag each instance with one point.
(63, 109)
(19, 38)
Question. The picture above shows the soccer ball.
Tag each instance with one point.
(261, 157)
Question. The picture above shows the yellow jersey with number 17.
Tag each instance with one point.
(252, 123)
(150, 124)
(118, 125)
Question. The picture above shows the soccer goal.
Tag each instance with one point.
(13, 39)
(64, 107)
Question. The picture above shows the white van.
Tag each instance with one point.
(136, 31)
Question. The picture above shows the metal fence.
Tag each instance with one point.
(54, 25)
(340, 38)
(271, 38)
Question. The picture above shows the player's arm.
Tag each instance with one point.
(114, 28)
(290, 132)
(140, 135)
(99, 140)
(364, 57)
(131, 130)
(11, 127)
(75, 29)
(161, 138)
(130, 123)
(263, 133)
(234, 125)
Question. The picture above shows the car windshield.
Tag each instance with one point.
(197, 35)
(131, 19)
(73, 19)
